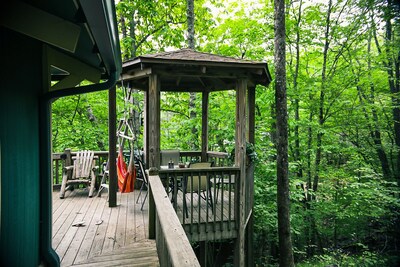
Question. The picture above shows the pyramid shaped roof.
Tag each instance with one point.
(196, 71)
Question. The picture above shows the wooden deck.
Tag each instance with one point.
(108, 236)
(118, 235)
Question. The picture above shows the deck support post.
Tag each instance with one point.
(112, 149)
(153, 120)
(204, 126)
(240, 161)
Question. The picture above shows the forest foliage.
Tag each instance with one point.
(343, 86)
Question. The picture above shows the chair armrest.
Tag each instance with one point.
(68, 168)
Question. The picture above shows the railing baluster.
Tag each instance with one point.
(222, 205)
(230, 199)
(208, 197)
(198, 203)
(216, 202)
(191, 203)
(175, 193)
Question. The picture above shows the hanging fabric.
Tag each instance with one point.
(126, 175)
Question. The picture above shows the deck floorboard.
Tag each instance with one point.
(117, 235)
(106, 232)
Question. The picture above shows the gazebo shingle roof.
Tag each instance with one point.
(192, 55)
(190, 70)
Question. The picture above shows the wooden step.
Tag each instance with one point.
(142, 253)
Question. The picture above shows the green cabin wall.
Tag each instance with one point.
(20, 89)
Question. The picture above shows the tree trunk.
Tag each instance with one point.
(285, 243)
(191, 45)
(132, 35)
(321, 115)
(373, 124)
(393, 71)
(190, 23)
(124, 35)
(391, 62)
(296, 100)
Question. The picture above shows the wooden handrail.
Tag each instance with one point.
(173, 246)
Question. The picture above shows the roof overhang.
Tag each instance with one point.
(191, 71)
(80, 37)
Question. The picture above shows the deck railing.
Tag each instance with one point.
(173, 246)
(205, 200)
(220, 159)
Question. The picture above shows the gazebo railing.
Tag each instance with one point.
(220, 159)
(205, 199)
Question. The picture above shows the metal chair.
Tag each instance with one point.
(169, 155)
(198, 184)
(103, 183)
(142, 176)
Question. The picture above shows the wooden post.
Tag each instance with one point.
(112, 150)
(240, 161)
(204, 126)
(68, 162)
(154, 121)
(68, 157)
(250, 179)
(252, 113)
(146, 129)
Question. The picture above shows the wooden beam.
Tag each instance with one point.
(202, 82)
(40, 25)
(142, 86)
(78, 71)
(154, 121)
(204, 126)
(67, 82)
(240, 161)
(112, 140)
(136, 74)
(228, 74)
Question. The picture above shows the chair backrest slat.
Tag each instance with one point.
(83, 164)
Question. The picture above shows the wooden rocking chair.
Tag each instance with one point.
(83, 172)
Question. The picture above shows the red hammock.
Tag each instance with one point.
(126, 176)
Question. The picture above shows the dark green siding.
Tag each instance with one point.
(21, 84)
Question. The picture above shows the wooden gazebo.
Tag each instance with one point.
(187, 70)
